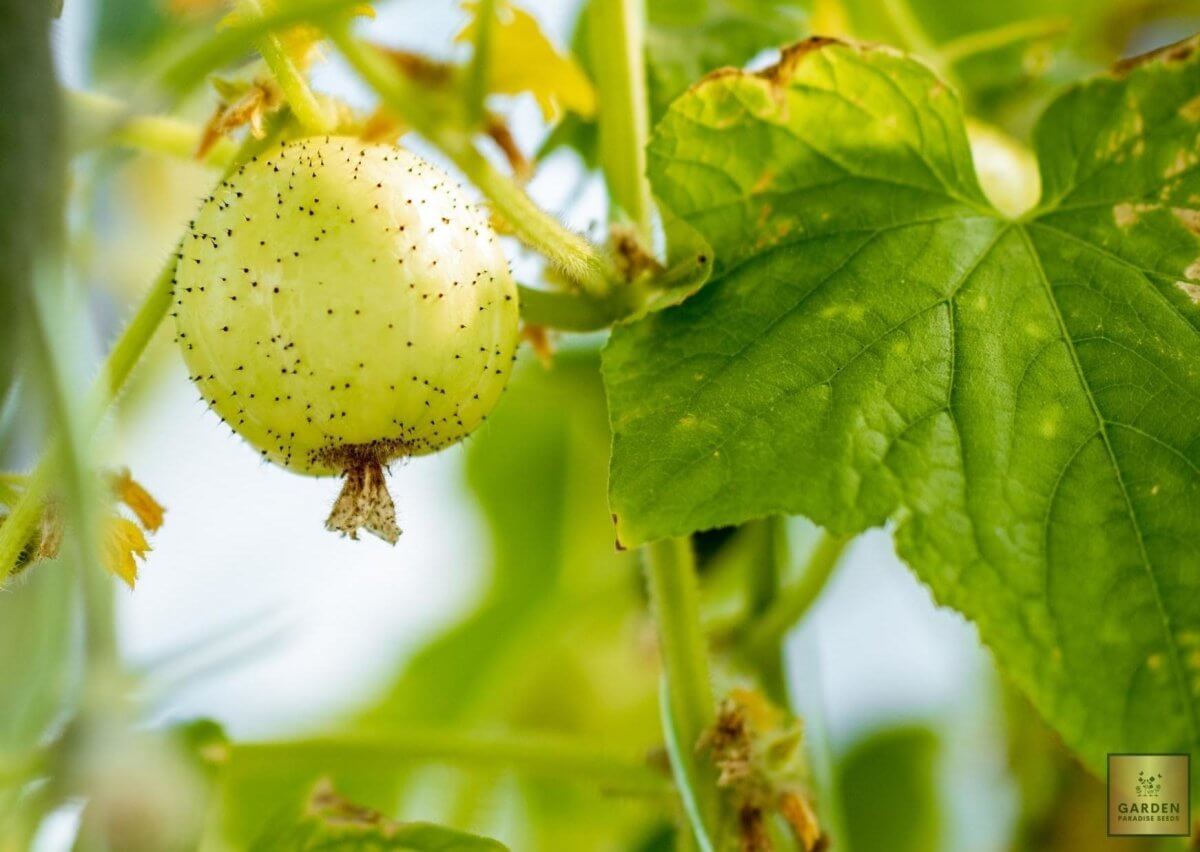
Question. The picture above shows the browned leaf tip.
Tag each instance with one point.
(617, 539)
(781, 71)
(792, 55)
(1167, 55)
(325, 804)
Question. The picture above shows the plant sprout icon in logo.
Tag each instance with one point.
(1148, 785)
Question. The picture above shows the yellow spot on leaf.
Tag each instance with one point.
(1191, 110)
(1192, 291)
(1190, 218)
(1184, 160)
(763, 183)
(1126, 214)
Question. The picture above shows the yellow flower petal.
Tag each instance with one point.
(524, 60)
(124, 540)
(148, 510)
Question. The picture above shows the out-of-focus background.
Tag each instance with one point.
(249, 613)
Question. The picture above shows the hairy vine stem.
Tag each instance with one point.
(615, 30)
(770, 627)
(584, 263)
(307, 108)
(541, 754)
(689, 708)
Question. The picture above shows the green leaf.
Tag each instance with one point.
(888, 791)
(888, 787)
(1004, 54)
(1022, 398)
(687, 39)
(331, 822)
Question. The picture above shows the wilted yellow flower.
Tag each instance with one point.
(123, 540)
(130, 492)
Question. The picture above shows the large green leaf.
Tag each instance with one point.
(1021, 398)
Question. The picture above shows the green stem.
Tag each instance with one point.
(481, 59)
(572, 311)
(768, 630)
(309, 111)
(21, 522)
(99, 119)
(617, 41)
(229, 44)
(581, 261)
(689, 709)
(912, 34)
(540, 754)
(764, 580)
(973, 44)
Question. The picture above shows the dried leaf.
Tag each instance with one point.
(254, 102)
(49, 534)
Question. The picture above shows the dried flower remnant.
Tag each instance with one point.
(756, 750)
(241, 105)
(124, 541)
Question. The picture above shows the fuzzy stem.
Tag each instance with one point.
(481, 59)
(229, 43)
(542, 754)
(581, 261)
(616, 31)
(768, 630)
(309, 111)
(689, 710)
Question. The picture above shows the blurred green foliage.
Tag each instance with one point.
(888, 787)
